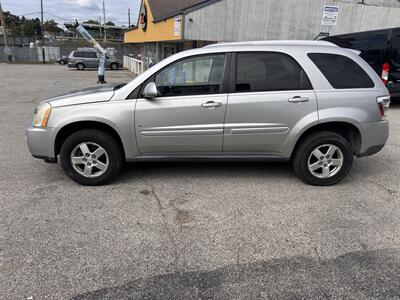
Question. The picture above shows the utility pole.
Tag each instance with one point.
(105, 26)
(100, 27)
(129, 18)
(41, 16)
(7, 49)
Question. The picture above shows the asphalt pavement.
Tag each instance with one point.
(193, 230)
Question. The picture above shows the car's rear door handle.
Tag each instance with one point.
(299, 99)
(211, 104)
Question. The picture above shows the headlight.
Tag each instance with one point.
(42, 115)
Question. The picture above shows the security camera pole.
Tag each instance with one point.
(102, 53)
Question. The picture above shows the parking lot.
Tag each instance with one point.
(198, 230)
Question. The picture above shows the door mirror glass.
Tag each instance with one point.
(150, 91)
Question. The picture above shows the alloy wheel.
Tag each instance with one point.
(89, 160)
(325, 161)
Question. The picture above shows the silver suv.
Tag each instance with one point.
(83, 58)
(312, 103)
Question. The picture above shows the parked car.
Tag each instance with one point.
(379, 48)
(83, 58)
(312, 103)
(63, 60)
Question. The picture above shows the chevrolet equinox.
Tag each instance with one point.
(309, 102)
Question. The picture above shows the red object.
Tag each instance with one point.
(385, 72)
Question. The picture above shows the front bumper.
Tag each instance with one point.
(374, 137)
(40, 144)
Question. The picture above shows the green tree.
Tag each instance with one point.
(91, 22)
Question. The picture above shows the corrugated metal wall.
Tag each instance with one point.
(240, 20)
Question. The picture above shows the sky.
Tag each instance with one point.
(63, 10)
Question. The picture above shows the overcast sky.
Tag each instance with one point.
(116, 10)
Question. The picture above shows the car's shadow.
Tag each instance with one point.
(206, 169)
(365, 274)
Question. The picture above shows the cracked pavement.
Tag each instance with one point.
(190, 230)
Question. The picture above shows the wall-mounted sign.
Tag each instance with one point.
(330, 15)
(143, 17)
(177, 25)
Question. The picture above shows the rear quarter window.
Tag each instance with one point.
(341, 71)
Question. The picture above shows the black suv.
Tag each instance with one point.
(381, 49)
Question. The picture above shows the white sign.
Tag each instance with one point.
(330, 15)
(177, 25)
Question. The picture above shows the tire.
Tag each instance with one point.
(62, 62)
(114, 66)
(110, 161)
(328, 169)
(80, 66)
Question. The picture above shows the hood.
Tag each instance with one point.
(90, 95)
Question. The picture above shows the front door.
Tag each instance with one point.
(187, 116)
(270, 96)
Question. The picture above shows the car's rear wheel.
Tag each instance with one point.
(323, 158)
(91, 157)
(114, 66)
(62, 62)
(80, 66)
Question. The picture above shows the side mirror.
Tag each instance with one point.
(150, 91)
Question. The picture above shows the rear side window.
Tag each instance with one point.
(90, 54)
(341, 71)
(269, 71)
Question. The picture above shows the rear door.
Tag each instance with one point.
(270, 95)
(91, 59)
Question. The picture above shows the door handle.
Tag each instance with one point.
(211, 104)
(299, 99)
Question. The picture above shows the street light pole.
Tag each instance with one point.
(41, 16)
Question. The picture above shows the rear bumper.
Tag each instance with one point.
(374, 137)
(39, 143)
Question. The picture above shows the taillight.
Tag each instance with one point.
(385, 72)
(383, 106)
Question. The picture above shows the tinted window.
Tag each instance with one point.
(269, 71)
(192, 76)
(341, 71)
(78, 54)
(372, 46)
(396, 50)
(90, 54)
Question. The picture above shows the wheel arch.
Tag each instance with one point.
(347, 130)
(73, 127)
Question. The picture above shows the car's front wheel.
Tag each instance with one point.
(323, 158)
(114, 66)
(91, 157)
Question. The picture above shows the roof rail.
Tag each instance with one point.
(274, 42)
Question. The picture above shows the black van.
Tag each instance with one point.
(381, 49)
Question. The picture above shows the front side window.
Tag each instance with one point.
(269, 71)
(341, 71)
(192, 76)
(78, 54)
